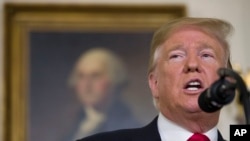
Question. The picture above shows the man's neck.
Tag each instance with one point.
(169, 130)
(194, 122)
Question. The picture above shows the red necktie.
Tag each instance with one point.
(198, 137)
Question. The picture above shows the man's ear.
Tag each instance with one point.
(153, 84)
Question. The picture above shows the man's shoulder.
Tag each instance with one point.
(146, 133)
(119, 135)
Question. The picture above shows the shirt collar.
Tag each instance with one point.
(170, 131)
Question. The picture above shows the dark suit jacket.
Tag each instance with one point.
(147, 133)
(119, 116)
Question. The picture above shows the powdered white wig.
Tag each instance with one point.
(116, 69)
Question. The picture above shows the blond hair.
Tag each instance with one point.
(217, 28)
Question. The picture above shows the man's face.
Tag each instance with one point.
(187, 64)
(93, 82)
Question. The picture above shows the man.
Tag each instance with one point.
(98, 79)
(185, 56)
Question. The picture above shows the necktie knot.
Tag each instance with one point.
(198, 137)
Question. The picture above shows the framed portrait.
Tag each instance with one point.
(43, 44)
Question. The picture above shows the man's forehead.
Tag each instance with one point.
(199, 46)
(189, 32)
(92, 65)
(190, 35)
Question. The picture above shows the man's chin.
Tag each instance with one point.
(194, 109)
(90, 103)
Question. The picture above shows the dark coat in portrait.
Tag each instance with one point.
(118, 117)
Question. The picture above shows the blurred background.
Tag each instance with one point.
(236, 12)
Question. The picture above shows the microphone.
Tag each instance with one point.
(220, 93)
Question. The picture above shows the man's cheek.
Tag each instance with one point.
(102, 87)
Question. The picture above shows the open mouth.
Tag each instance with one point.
(193, 85)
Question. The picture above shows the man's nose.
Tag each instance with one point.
(86, 82)
(192, 64)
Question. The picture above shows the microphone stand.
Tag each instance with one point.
(242, 88)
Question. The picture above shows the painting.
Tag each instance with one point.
(76, 70)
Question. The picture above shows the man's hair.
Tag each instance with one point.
(216, 28)
(116, 67)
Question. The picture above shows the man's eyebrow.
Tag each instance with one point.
(176, 47)
(205, 46)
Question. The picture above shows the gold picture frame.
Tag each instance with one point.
(21, 19)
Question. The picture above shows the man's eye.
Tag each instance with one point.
(80, 76)
(175, 56)
(206, 55)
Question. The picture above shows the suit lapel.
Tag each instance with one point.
(220, 138)
(148, 133)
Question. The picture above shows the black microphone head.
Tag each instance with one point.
(206, 104)
(219, 94)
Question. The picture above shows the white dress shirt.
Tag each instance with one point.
(169, 131)
(89, 124)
